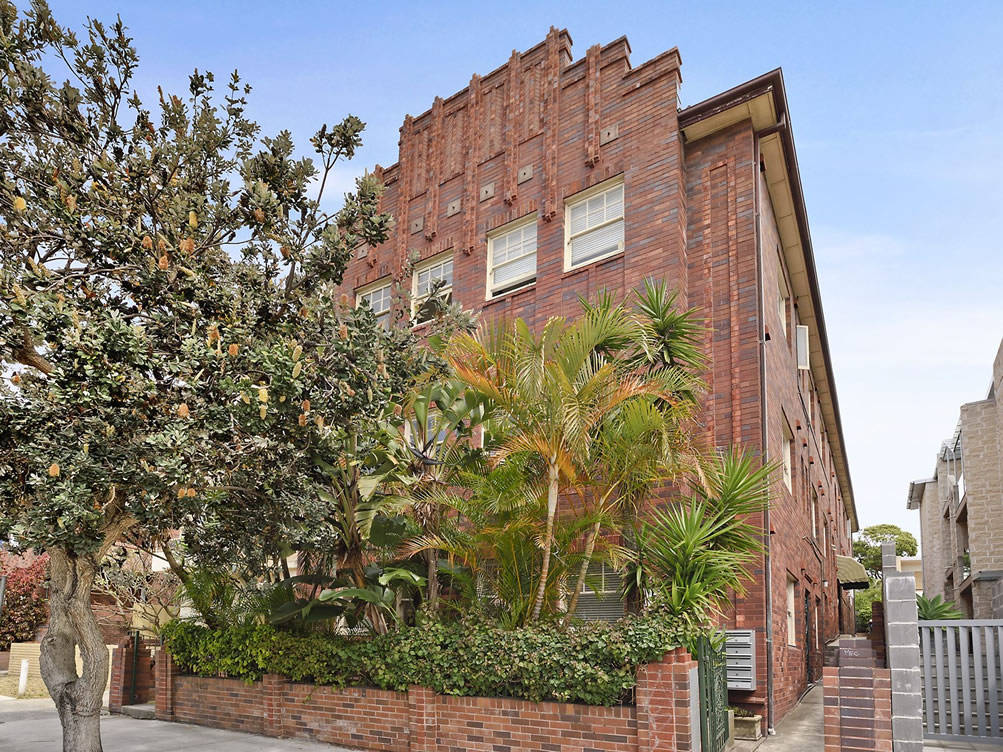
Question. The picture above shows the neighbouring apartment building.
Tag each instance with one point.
(961, 509)
(549, 179)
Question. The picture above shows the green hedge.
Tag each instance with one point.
(594, 663)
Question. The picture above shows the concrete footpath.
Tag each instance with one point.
(801, 730)
(33, 726)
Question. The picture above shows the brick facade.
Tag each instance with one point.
(711, 203)
(961, 528)
(420, 720)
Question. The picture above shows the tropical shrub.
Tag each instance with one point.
(691, 556)
(595, 663)
(936, 608)
(24, 607)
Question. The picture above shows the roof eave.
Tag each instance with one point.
(772, 83)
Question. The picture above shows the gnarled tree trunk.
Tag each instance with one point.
(71, 625)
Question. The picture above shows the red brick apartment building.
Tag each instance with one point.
(549, 179)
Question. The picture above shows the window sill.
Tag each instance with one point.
(510, 294)
(594, 262)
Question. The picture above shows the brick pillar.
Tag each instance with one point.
(857, 697)
(273, 687)
(424, 722)
(167, 672)
(877, 633)
(121, 668)
(667, 698)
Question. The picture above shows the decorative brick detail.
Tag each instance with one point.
(420, 720)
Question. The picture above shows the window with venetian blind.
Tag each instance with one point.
(594, 226)
(512, 257)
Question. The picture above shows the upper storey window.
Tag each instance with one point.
(512, 257)
(594, 225)
(377, 296)
(435, 276)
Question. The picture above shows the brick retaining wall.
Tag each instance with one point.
(665, 717)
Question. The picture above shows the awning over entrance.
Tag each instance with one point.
(851, 573)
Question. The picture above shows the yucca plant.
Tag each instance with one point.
(936, 609)
(694, 554)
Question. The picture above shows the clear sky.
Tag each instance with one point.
(897, 112)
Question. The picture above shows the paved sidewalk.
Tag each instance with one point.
(122, 734)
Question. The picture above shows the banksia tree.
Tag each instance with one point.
(161, 268)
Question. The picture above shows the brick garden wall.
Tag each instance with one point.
(420, 720)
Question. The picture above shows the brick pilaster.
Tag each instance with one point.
(663, 696)
(423, 719)
(272, 686)
(118, 686)
(166, 672)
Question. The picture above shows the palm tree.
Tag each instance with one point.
(557, 393)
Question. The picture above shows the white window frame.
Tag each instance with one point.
(519, 282)
(578, 199)
(429, 263)
(787, 455)
(792, 624)
(814, 513)
(369, 289)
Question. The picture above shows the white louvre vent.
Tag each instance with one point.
(740, 650)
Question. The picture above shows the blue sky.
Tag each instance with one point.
(897, 111)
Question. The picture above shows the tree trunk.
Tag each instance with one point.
(432, 556)
(590, 548)
(71, 625)
(548, 538)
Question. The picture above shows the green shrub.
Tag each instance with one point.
(594, 663)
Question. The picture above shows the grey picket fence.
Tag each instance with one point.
(961, 663)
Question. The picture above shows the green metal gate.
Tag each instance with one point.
(713, 673)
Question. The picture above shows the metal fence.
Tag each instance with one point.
(961, 663)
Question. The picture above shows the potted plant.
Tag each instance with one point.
(748, 725)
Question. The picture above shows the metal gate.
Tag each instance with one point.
(713, 673)
(961, 663)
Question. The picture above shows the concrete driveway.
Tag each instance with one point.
(32, 726)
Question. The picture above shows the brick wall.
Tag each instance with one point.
(419, 720)
(877, 633)
(857, 701)
(998, 600)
